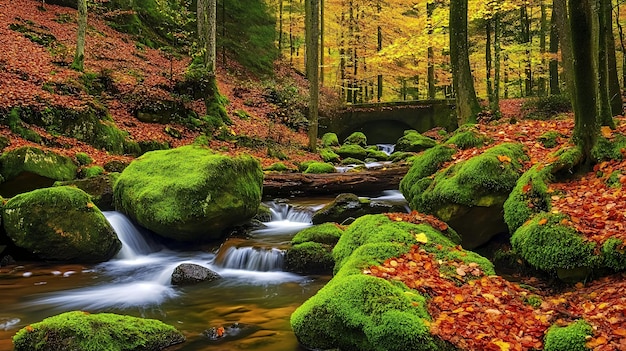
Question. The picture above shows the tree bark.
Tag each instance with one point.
(467, 106)
(559, 10)
(497, 49)
(286, 184)
(604, 104)
(79, 56)
(584, 39)
(554, 62)
(312, 13)
(541, 82)
(615, 91)
(430, 8)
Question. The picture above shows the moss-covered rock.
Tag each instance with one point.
(100, 189)
(466, 137)
(571, 338)
(319, 167)
(549, 139)
(348, 205)
(309, 258)
(330, 139)
(352, 150)
(29, 168)
(468, 195)
(376, 154)
(328, 155)
(355, 311)
(189, 193)
(277, 167)
(90, 332)
(326, 233)
(356, 138)
(60, 223)
(413, 141)
(91, 172)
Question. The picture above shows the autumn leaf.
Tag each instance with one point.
(504, 158)
(595, 342)
(421, 238)
(504, 346)
(606, 131)
(542, 221)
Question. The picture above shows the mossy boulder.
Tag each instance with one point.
(100, 189)
(328, 155)
(355, 311)
(309, 258)
(319, 167)
(79, 330)
(352, 150)
(356, 138)
(466, 137)
(330, 139)
(413, 141)
(60, 224)
(376, 154)
(326, 233)
(572, 337)
(468, 195)
(348, 205)
(29, 168)
(189, 193)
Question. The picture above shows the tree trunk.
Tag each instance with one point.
(488, 61)
(280, 26)
(495, 107)
(541, 82)
(312, 14)
(604, 104)
(615, 92)
(554, 62)
(559, 10)
(526, 39)
(467, 106)
(79, 56)
(430, 8)
(584, 39)
(322, 24)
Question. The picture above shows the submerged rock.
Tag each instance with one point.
(190, 193)
(103, 331)
(349, 205)
(189, 273)
(61, 224)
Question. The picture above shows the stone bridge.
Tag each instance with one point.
(384, 123)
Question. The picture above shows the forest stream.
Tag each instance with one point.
(253, 302)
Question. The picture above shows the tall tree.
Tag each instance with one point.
(615, 93)
(604, 28)
(206, 21)
(430, 8)
(583, 27)
(554, 62)
(543, 32)
(79, 56)
(312, 13)
(467, 106)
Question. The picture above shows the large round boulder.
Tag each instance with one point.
(189, 193)
(60, 224)
(103, 331)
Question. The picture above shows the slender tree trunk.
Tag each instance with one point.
(584, 36)
(322, 30)
(560, 12)
(541, 82)
(497, 49)
(554, 62)
(604, 103)
(79, 56)
(280, 26)
(467, 106)
(526, 39)
(379, 47)
(312, 14)
(615, 92)
(622, 45)
(506, 76)
(430, 8)
(488, 61)
(210, 44)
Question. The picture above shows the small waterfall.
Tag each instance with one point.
(253, 259)
(386, 148)
(134, 244)
(286, 212)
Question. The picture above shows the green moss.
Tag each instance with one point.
(549, 139)
(328, 155)
(60, 223)
(533, 300)
(34, 160)
(352, 150)
(309, 258)
(356, 138)
(189, 193)
(326, 233)
(17, 126)
(90, 172)
(530, 194)
(605, 150)
(378, 155)
(571, 338)
(352, 161)
(277, 167)
(424, 166)
(83, 158)
(305, 164)
(319, 167)
(94, 332)
(613, 179)
(413, 141)
(399, 156)
(330, 139)
(551, 245)
(614, 254)
(469, 183)
(466, 137)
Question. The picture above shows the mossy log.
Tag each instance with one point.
(284, 184)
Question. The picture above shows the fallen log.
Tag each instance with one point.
(366, 181)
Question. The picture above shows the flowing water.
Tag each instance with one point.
(254, 292)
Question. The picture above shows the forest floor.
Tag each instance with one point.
(27, 67)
